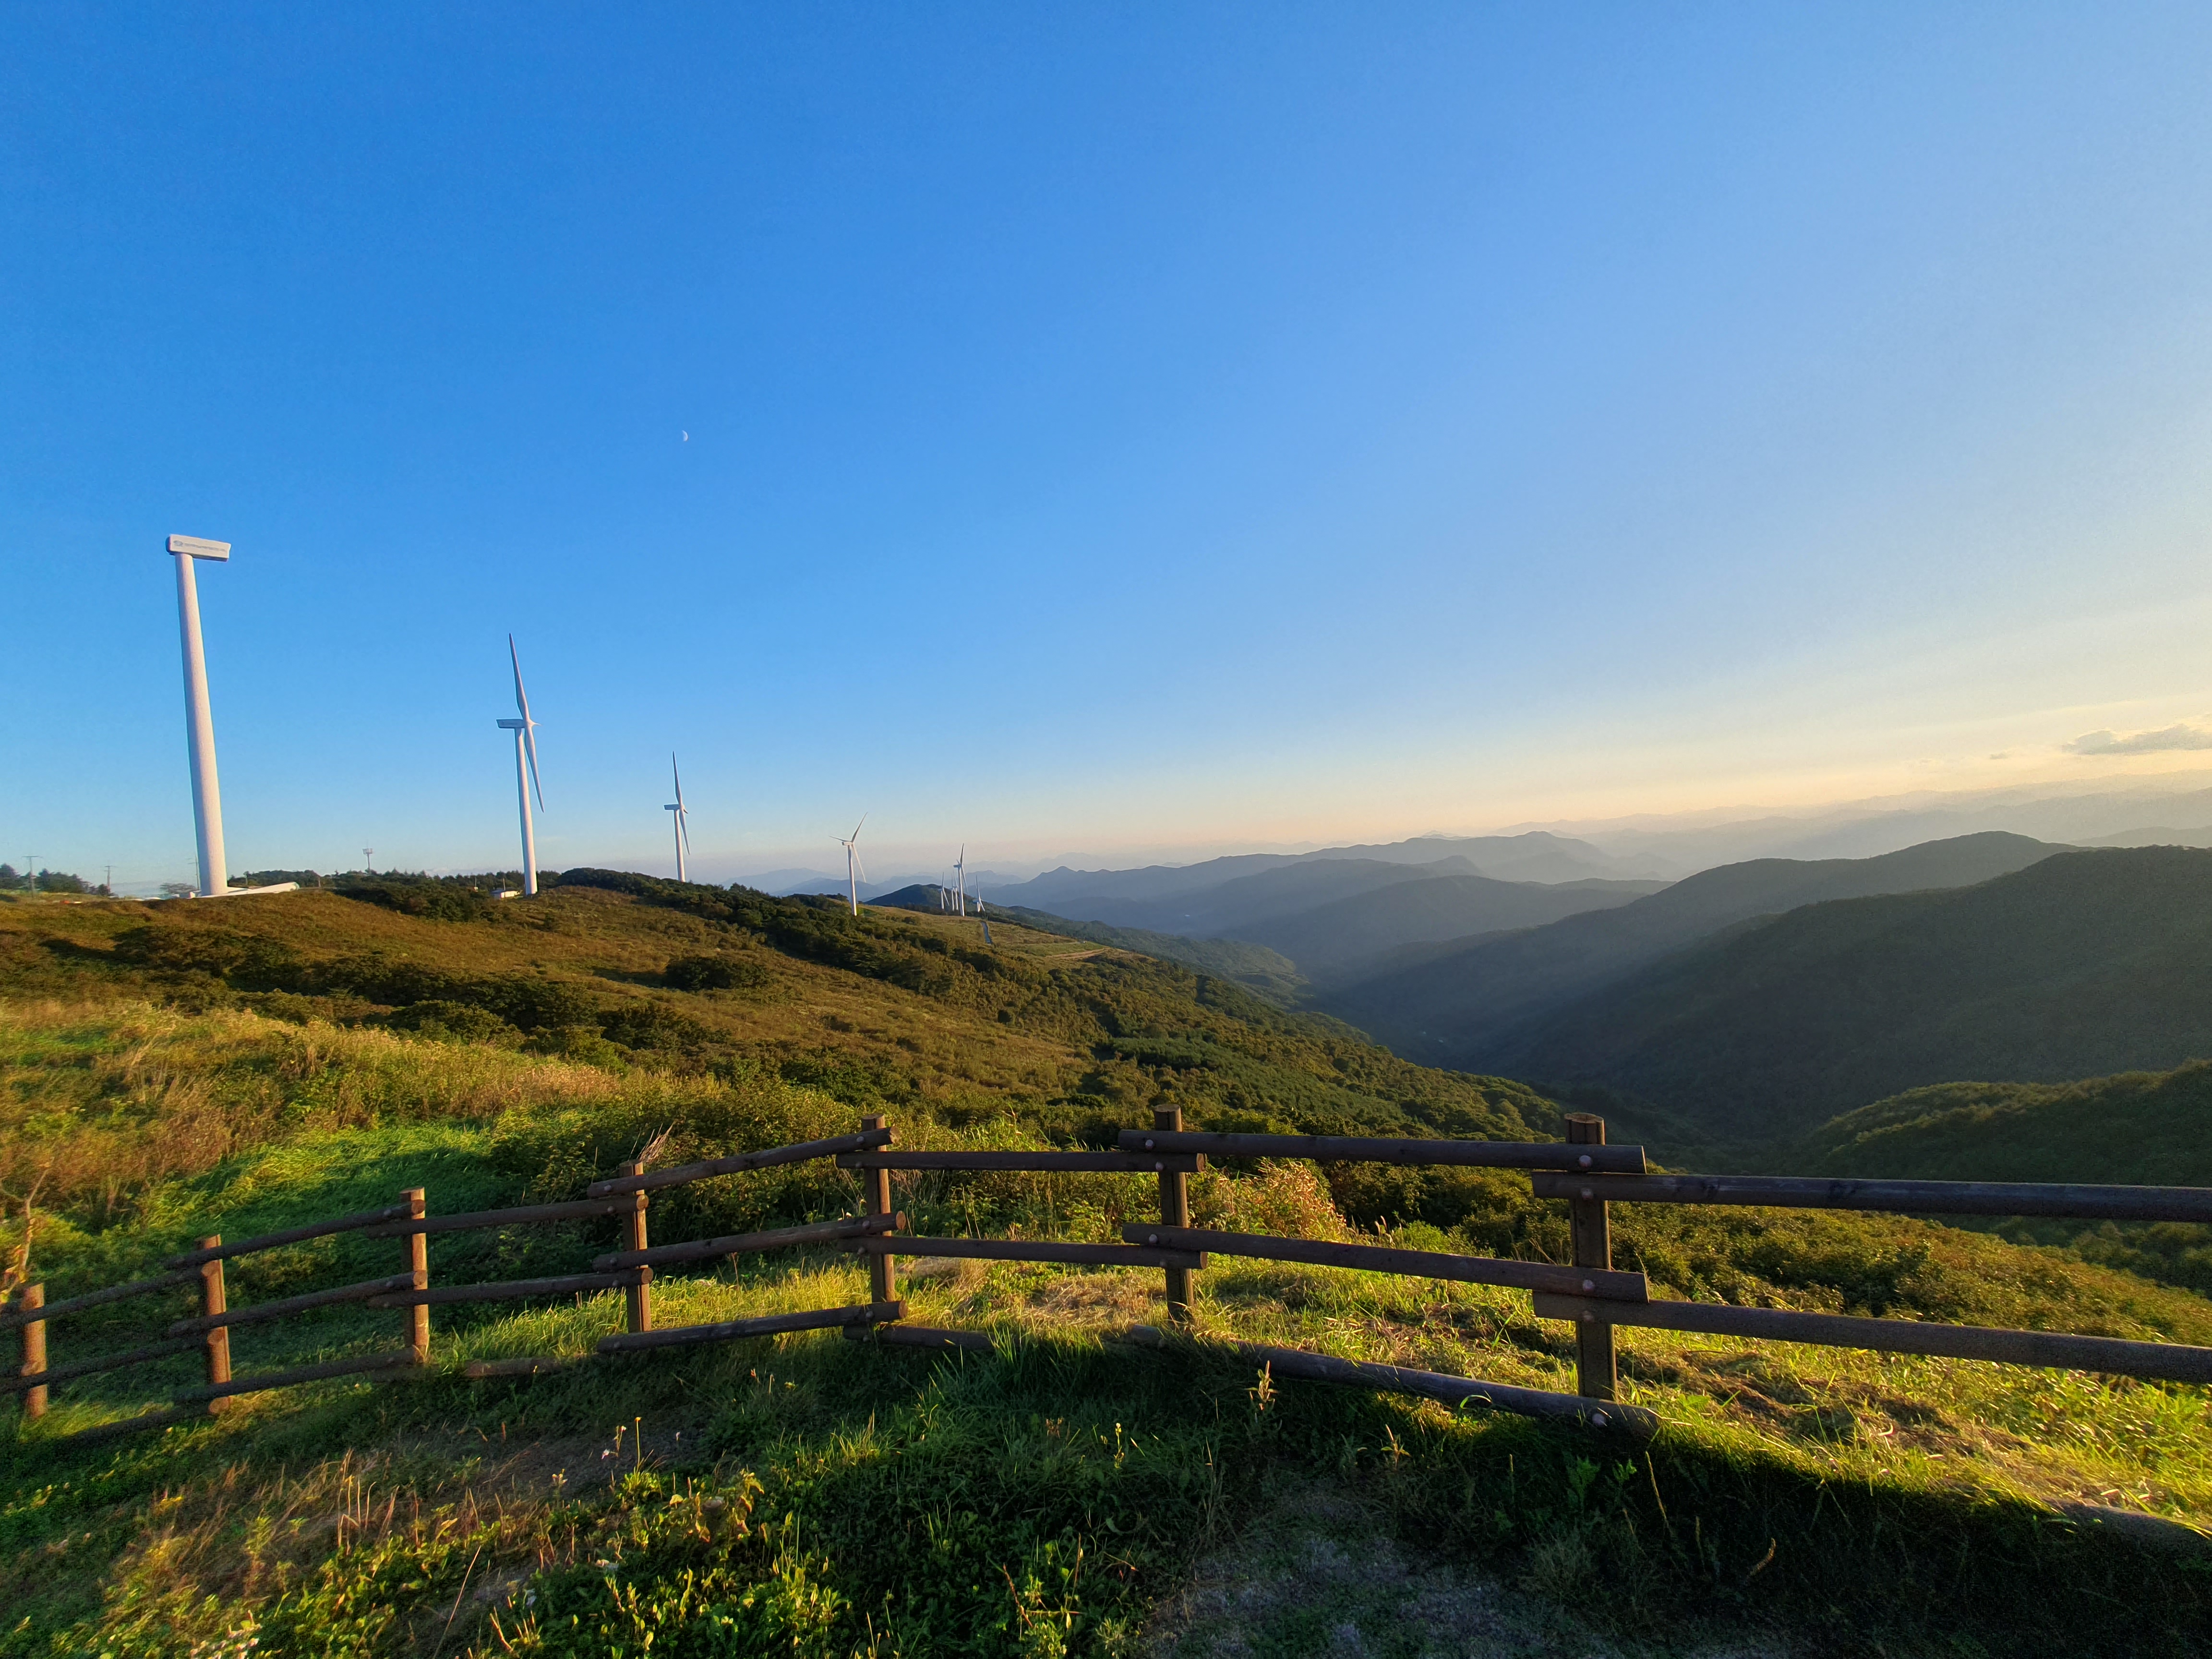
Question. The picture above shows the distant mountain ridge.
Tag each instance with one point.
(1446, 1005)
(2084, 963)
(1534, 855)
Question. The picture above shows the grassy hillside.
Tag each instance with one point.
(1271, 975)
(2084, 963)
(1461, 1007)
(249, 1065)
(2140, 1128)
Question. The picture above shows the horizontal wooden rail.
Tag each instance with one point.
(1907, 1197)
(1358, 1149)
(402, 1361)
(345, 1224)
(168, 1419)
(1633, 1420)
(2171, 1361)
(13, 1315)
(90, 1367)
(506, 1290)
(261, 1312)
(922, 1336)
(738, 1162)
(868, 1313)
(1034, 1163)
(1416, 1264)
(575, 1209)
(1033, 1249)
(776, 1239)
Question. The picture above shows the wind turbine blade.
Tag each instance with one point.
(530, 747)
(683, 831)
(856, 827)
(521, 698)
(678, 776)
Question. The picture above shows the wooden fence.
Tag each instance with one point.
(1588, 1292)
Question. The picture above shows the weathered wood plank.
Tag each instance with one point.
(1036, 1249)
(775, 1238)
(1382, 1259)
(1362, 1149)
(1904, 1197)
(1033, 1163)
(2172, 1361)
(736, 1163)
(404, 1360)
(345, 1224)
(508, 1290)
(261, 1312)
(54, 1374)
(731, 1330)
(575, 1209)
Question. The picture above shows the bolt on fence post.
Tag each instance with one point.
(418, 1263)
(213, 1301)
(1174, 1212)
(32, 1296)
(638, 1294)
(1596, 1375)
(876, 1196)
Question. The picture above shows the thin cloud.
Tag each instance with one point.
(2182, 736)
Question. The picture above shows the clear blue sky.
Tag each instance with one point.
(1108, 426)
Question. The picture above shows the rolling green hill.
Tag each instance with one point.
(1458, 1006)
(2084, 963)
(2139, 1128)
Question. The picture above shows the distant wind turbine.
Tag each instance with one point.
(683, 833)
(526, 771)
(853, 871)
(960, 869)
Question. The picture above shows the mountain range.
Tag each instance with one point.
(2081, 964)
(1448, 1003)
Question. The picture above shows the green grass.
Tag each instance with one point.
(1062, 1494)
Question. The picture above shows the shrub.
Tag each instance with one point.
(713, 973)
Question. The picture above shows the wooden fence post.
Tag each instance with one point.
(876, 1196)
(638, 1294)
(418, 1263)
(34, 1347)
(1595, 1375)
(213, 1301)
(1174, 1212)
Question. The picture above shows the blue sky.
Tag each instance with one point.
(1109, 428)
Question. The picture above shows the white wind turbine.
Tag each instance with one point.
(683, 832)
(526, 771)
(960, 869)
(854, 870)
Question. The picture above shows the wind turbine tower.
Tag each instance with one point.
(853, 871)
(525, 772)
(960, 869)
(199, 722)
(683, 832)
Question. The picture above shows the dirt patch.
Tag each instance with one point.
(1314, 1576)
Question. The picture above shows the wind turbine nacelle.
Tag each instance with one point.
(199, 547)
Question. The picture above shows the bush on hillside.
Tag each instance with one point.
(442, 899)
(716, 972)
(453, 1022)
